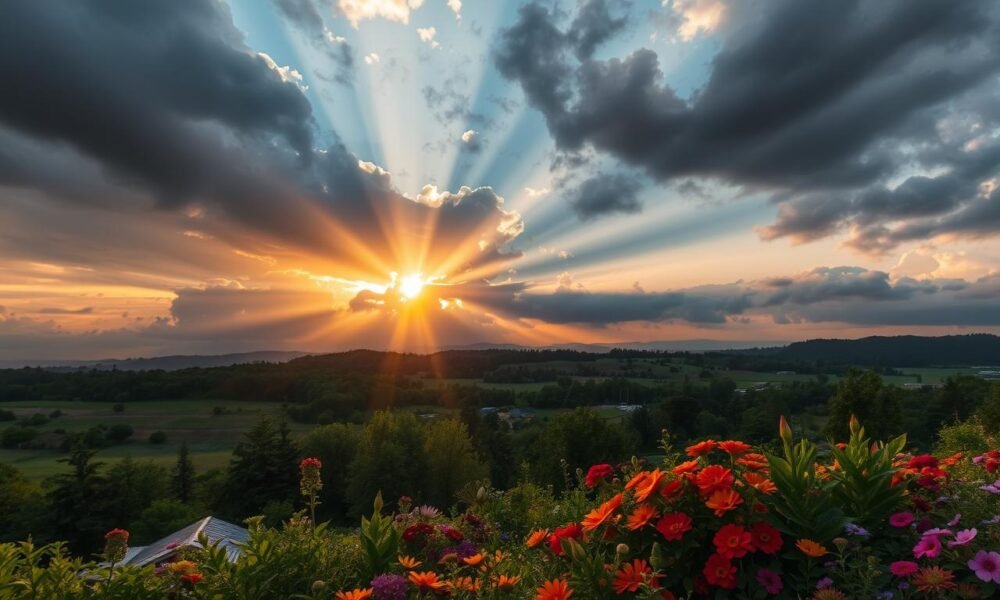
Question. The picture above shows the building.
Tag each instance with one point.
(223, 533)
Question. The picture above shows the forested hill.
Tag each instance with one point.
(898, 351)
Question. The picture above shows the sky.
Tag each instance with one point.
(208, 176)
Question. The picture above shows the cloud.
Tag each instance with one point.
(427, 36)
(605, 194)
(67, 311)
(823, 108)
(356, 11)
(306, 16)
(287, 74)
(697, 16)
(456, 7)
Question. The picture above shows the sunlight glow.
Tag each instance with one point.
(411, 286)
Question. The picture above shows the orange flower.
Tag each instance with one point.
(506, 583)
(474, 560)
(714, 478)
(602, 513)
(466, 584)
(498, 556)
(408, 562)
(760, 483)
(723, 501)
(555, 589)
(640, 517)
(701, 448)
(810, 548)
(649, 486)
(427, 581)
(631, 576)
(734, 448)
(934, 579)
(637, 480)
(537, 537)
(356, 594)
(753, 461)
(684, 468)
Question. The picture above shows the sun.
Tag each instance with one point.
(411, 286)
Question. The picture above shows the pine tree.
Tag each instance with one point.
(75, 502)
(182, 481)
(263, 470)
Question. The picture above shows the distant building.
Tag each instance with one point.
(223, 533)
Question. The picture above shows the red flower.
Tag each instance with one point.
(701, 448)
(417, 530)
(921, 461)
(672, 489)
(684, 468)
(117, 534)
(452, 533)
(765, 538)
(720, 572)
(598, 473)
(713, 478)
(673, 526)
(571, 531)
(310, 462)
(732, 541)
(734, 448)
(192, 578)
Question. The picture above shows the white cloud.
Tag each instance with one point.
(697, 16)
(427, 35)
(469, 135)
(356, 11)
(287, 74)
(533, 193)
(456, 7)
(372, 58)
(333, 38)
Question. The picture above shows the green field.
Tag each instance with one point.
(210, 437)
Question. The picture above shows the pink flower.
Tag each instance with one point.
(955, 520)
(901, 519)
(963, 537)
(938, 532)
(770, 581)
(904, 568)
(929, 546)
(986, 565)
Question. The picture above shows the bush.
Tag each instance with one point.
(118, 433)
(157, 437)
(7, 415)
(16, 435)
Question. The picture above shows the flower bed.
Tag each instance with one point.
(721, 519)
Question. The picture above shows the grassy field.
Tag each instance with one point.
(210, 437)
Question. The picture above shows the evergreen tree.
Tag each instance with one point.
(494, 442)
(263, 470)
(75, 502)
(182, 480)
(452, 461)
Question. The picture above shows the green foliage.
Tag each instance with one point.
(864, 488)
(989, 411)
(16, 435)
(72, 499)
(391, 459)
(862, 395)
(128, 487)
(182, 478)
(158, 437)
(160, 518)
(803, 501)
(263, 469)
(452, 462)
(379, 541)
(968, 436)
(17, 497)
(336, 446)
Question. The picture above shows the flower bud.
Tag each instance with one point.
(840, 543)
(318, 586)
(622, 549)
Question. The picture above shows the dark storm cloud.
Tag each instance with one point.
(593, 25)
(819, 103)
(605, 194)
(162, 100)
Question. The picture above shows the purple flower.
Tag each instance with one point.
(770, 581)
(427, 512)
(955, 520)
(993, 488)
(884, 596)
(857, 530)
(994, 520)
(462, 550)
(986, 566)
(963, 537)
(824, 583)
(389, 587)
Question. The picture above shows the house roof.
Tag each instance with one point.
(225, 534)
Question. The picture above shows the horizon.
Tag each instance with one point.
(227, 177)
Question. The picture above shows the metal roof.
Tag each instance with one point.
(225, 534)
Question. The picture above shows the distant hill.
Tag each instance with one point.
(695, 345)
(898, 351)
(163, 363)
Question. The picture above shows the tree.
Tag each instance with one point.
(494, 442)
(263, 469)
(390, 458)
(877, 407)
(157, 437)
(452, 461)
(581, 438)
(129, 487)
(18, 497)
(182, 478)
(335, 445)
(162, 517)
(989, 410)
(119, 432)
(16, 435)
(75, 502)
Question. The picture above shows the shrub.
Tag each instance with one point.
(119, 432)
(157, 437)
